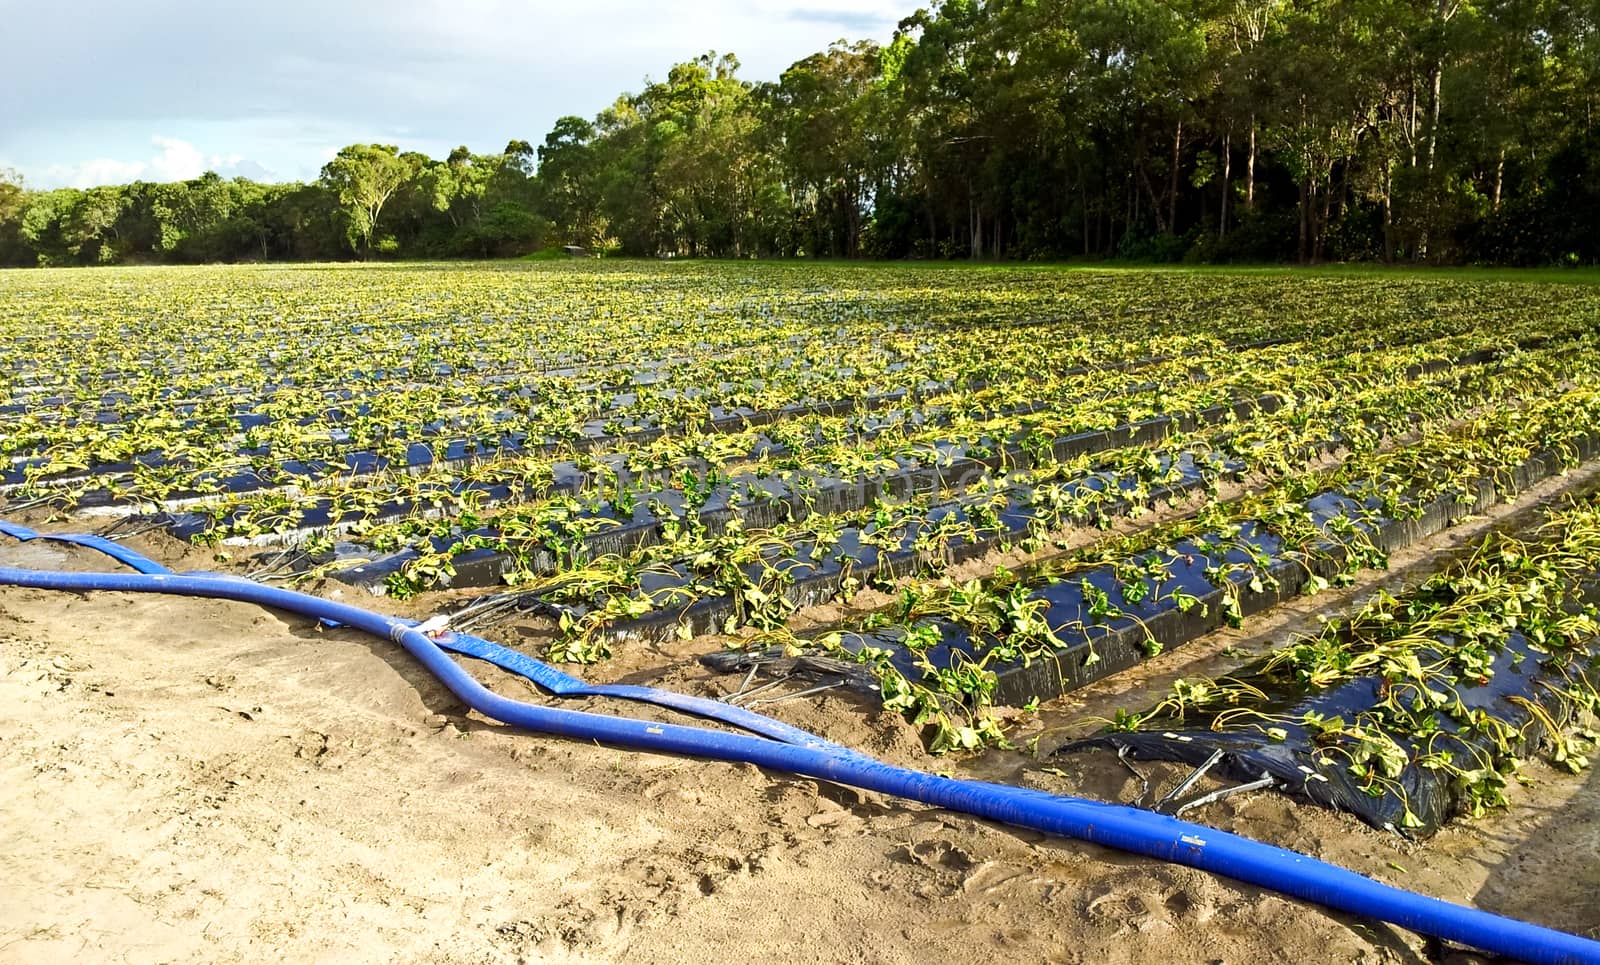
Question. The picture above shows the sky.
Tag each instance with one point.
(110, 91)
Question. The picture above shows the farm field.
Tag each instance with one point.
(1339, 527)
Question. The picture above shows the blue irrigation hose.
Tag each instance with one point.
(556, 682)
(1110, 825)
(116, 551)
(565, 685)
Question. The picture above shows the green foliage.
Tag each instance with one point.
(365, 177)
(1266, 131)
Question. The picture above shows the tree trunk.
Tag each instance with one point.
(1499, 179)
(1425, 235)
(1436, 79)
(1411, 122)
(1445, 11)
(1227, 185)
(1322, 224)
(1133, 207)
(1155, 203)
(1177, 157)
(975, 223)
(1250, 170)
(855, 221)
(1083, 196)
(1388, 216)
(1305, 214)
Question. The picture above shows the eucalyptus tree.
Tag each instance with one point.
(365, 177)
(824, 114)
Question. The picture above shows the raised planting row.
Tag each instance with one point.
(836, 530)
(536, 537)
(387, 412)
(429, 469)
(337, 447)
(175, 460)
(1416, 706)
(699, 580)
(1015, 640)
(912, 339)
(289, 514)
(640, 410)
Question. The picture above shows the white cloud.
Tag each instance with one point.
(177, 160)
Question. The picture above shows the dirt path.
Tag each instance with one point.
(188, 780)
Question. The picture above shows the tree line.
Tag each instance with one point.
(1437, 131)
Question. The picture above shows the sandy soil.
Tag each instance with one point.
(203, 781)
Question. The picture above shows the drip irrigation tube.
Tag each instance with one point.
(1111, 825)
